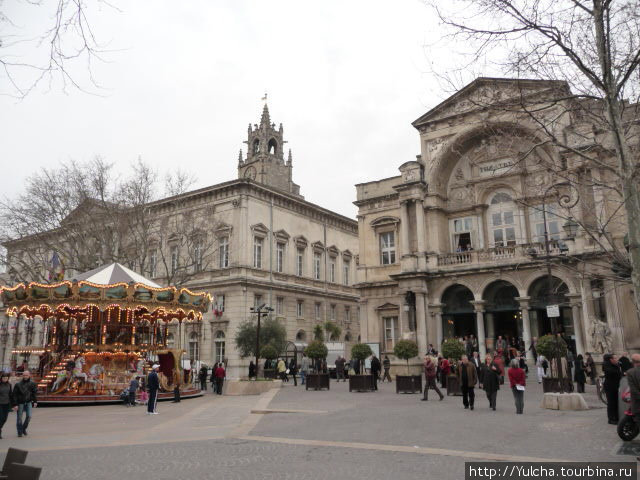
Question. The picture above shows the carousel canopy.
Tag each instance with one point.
(114, 273)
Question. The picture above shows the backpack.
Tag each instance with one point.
(545, 364)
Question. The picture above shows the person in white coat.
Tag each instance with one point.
(541, 363)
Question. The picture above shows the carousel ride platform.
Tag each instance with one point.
(45, 399)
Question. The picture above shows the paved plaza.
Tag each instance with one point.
(297, 434)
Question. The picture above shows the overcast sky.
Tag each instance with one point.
(346, 79)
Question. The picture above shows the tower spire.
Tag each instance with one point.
(240, 161)
(266, 119)
(289, 159)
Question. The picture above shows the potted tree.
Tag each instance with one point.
(317, 351)
(358, 382)
(558, 378)
(405, 350)
(269, 353)
(272, 333)
(452, 349)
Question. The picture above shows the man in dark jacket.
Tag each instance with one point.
(340, 368)
(24, 398)
(633, 379)
(153, 385)
(612, 376)
(430, 378)
(386, 364)
(624, 362)
(467, 379)
(375, 370)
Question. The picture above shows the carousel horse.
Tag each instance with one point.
(78, 374)
(140, 367)
(95, 372)
(60, 378)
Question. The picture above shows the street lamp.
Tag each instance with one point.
(570, 228)
(260, 311)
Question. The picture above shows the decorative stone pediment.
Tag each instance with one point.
(388, 306)
(281, 235)
(385, 221)
(346, 255)
(223, 230)
(318, 246)
(333, 251)
(259, 229)
(301, 241)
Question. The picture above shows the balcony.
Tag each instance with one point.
(517, 253)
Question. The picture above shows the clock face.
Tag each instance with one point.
(250, 173)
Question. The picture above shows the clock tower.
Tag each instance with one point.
(265, 161)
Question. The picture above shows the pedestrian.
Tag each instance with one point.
(339, 363)
(24, 399)
(252, 370)
(220, 374)
(386, 364)
(467, 379)
(541, 367)
(579, 376)
(474, 343)
(203, 377)
(153, 385)
(468, 346)
(304, 369)
(282, 370)
(591, 368)
(570, 362)
(133, 389)
(501, 344)
(430, 378)
(490, 380)
(375, 370)
(533, 348)
(523, 363)
(176, 386)
(431, 351)
(445, 369)
(518, 382)
(612, 376)
(633, 378)
(499, 361)
(475, 359)
(212, 378)
(6, 399)
(624, 362)
(293, 370)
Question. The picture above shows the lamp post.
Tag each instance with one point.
(260, 311)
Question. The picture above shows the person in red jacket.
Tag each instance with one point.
(430, 378)
(220, 375)
(445, 369)
(517, 381)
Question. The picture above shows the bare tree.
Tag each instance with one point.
(591, 114)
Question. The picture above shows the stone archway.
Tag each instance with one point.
(502, 313)
(541, 295)
(458, 317)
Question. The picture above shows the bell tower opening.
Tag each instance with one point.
(273, 147)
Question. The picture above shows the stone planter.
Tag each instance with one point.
(250, 387)
(317, 381)
(409, 383)
(361, 383)
(555, 385)
(453, 387)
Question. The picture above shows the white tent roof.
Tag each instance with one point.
(114, 273)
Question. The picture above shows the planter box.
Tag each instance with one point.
(556, 385)
(409, 383)
(249, 387)
(317, 381)
(453, 387)
(361, 383)
(270, 373)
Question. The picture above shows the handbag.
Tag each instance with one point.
(520, 388)
(287, 371)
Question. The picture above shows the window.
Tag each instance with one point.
(220, 347)
(317, 260)
(193, 346)
(387, 248)
(257, 252)
(346, 270)
(279, 257)
(153, 263)
(333, 312)
(390, 332)
(280, 306)
(502, 220)
(197, 255)
(174, 259)
(220, 301)
(463, 234)
(171, 340)
(553, 223)
(257, 300)
(300, 309)
(318, 310)
(347, 314)
(224, 252)
(332, 269)
(300, 262)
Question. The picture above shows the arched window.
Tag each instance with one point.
(219, 347)
(272, 147)
(301, 336)
(193, 346)
(256, 146)
(171, 341)
(502, 220)
(347, 337)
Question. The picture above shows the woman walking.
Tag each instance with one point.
(6, 399)
(252, 370)
(541, 367)
(591, 368)
(490, 380)
(579, 375)
(612, 376)
(518, 382)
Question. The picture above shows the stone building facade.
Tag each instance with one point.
(454, 245)
(270, 246)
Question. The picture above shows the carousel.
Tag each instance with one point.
(102, 329)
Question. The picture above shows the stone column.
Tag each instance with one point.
(420, 231)
(491, 331)
(404, 228)
(436, 313)
(478, 306)
(421, 323)
(576, 318)
(526, 323)
(403, 317)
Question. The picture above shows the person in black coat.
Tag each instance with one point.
(612, 376)
(252, 370)
(153, 385)
(6, 399)
(375, 370)
(624, 362)
(579, 376)
(490, 373)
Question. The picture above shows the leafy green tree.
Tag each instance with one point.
(332, 330)
(269, 352)
(360, 351)
(405, 349)
(271, 333)
(551, 347)
(452, 348)
(318, 333)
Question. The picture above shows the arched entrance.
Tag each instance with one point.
(502, 311)
(542, 296)
(458, 317)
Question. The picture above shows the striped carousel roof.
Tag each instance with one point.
(114, 273)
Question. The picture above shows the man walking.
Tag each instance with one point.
(386, 364)
(153, 385)
(24, 397)
(304, 369)
(467, 378)
(375, 370)
(430, 378)
(340, 368)
(220, 374)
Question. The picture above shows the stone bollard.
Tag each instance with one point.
(564, 401)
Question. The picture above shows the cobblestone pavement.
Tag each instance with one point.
(315, 435)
